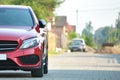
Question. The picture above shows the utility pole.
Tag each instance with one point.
(77, 19)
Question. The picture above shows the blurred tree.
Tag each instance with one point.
(87, 34)
(72, 35)
(118, 28)
(88, 29)
(106, 34)
(42, 8)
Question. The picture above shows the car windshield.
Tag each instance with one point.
(75, 43)
(15, 17)
(78, 41)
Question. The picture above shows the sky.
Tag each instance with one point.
(100, 12)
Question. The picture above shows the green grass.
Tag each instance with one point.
(51, 53)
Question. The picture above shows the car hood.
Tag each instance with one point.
(16, 34)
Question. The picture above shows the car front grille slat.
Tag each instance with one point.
(6, 46)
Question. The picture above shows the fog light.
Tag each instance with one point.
(29, 59)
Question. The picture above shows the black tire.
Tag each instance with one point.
(46, 65)
(46, 62)
(71, 50)
(38, 72)
(83, 50)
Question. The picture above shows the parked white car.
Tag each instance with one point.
(77, 44)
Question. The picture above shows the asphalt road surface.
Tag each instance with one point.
(74, 66)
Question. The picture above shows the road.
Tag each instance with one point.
(75, 66)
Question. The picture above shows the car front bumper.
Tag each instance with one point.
(24, 59)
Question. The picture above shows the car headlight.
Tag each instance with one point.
(29, 43)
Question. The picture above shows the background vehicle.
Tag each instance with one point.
(77, 45)
(21, 45)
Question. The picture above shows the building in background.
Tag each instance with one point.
(57, 35)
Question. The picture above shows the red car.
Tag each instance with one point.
(21, 45)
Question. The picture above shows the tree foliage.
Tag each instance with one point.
(88, 29)
(87, 34)
(42, 8)
(118, 28)
(109, 34)
(72, 35)
(106, 34)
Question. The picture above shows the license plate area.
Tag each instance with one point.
(3, 57)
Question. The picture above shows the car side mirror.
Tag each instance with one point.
(42, 23)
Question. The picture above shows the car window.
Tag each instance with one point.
(15, 17)
(75, 43)
(79, 41)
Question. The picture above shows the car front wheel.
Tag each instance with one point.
(38, 72)
(83, 50)
(46, 65)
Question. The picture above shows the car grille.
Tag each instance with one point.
(7, 62)
(6, 46)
